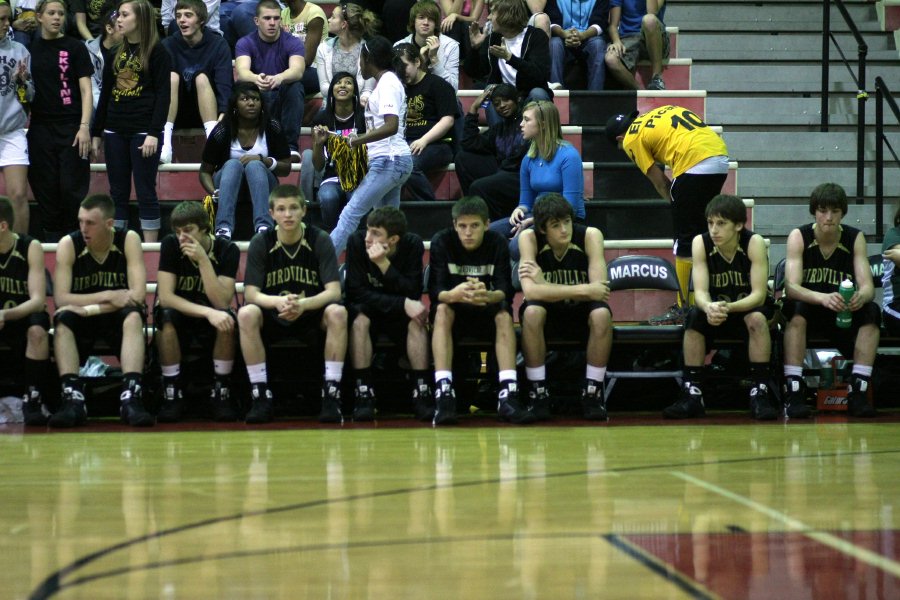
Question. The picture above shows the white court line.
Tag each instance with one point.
(861, 554)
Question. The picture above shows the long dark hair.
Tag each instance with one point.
(330, 102)
(244, 88)
(378, 51)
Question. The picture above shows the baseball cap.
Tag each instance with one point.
(619, 124)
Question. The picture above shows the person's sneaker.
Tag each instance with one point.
(131, 408)
(761, 407)
(223, 233)
(261, 404)
(555, 85)
(423, 402)
(331, 403)
(857, 403)
(72, 411)
(508, 407)
(795, 399)
(364, 409)
(444, 403)
(673, 316)
(690, 404)
(539, 400)
(262, 228)
(222, 405)
(296, 156)
(172, 406)
(656, 83)
(33, 409)
(593, 400)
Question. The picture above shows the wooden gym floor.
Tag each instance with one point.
(637, 508)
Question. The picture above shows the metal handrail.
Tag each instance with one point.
(860, 80)
(882, 95)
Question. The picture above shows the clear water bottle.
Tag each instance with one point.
(845, 317)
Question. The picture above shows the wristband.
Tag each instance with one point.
(91, 309)
(274, 164)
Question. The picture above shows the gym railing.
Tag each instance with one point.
(883, 96)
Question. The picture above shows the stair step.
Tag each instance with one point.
(766, 146)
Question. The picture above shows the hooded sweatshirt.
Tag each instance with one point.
(210, 56)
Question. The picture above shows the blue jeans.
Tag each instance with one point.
(124, 160)
(534, 95)
(229, 179)
(286, 104)
(236, 20)
(380, 187)
(332, 199)
(309, 178)
(594, 52)
(433, 157)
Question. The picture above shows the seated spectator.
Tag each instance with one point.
(169, 19)
(100, 48)
(195, 289)
(86, 19)
(578, 35)
(488, 164)
(471, 291)
(275, 64)
(637, 32)
(306, 22)
(550, 165)
(731, 300)
(538, 18)
(430, 111)
(349, 24)
(512, 53)
(458, 15)
(820, 256)
(293, 290)
(564, 279)
(246, 149)
(890, 251)
(100, 288)
(384, 296)
(201, 74)
(24, 322)
(440, 52)
(24, 22)
(329, 173)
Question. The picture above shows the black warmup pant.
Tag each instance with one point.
(479, 175)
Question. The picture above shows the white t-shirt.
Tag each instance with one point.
(388, 98)
(515, 47)
(259, 147)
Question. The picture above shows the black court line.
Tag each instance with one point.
(53, 583)
(665, 571)
(735, 529)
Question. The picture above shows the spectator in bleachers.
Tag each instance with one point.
(349, 24)
(237, 19)
(890, 251)
(538, 18)
(331, 171)
(565, 282)
(100, 289)
(195, 287)
(512, 53)
(430, 112)
(16, 91)
(24, 322)
(131, 113)
(390, 161)
(384, 296)
(306, 22)
(488, 164)
(100, 49)
(458, 15)
(86, 17)
(821, 255)
(201, 76)
(674, 136)
(169, 17)
(636, 32)
(247, 149)
(578, 33)
(471, 292)
(293, 290)
(24, 22)
(730, 278)
(59, 137)
(394, 14)
(440, 53)
(550, 165)
(274, 61)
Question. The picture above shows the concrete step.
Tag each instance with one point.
(777, 219)
(768, 16)
(767, 109)
(797, 181)
(722, 46)
(888, 12)
(785, 77)
(808, 147)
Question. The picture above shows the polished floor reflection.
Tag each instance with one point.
(661, 511)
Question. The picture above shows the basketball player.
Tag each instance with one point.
(292, 290)
(195, 287)
(384, 295)
(820, 255)
(100, 291)
(471, 291)
(675, 136)
(563, 275)
(730, 274)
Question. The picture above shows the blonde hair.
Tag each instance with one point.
(549, 131)
(143, 12)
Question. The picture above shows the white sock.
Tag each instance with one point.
(791, 371)
(171, 370)
(223, 367)
(167, 134)
(507, 375)
(257, 373)
(536, 373)
(595, 373)
(438, 375)
(334, 370)
(862, 370)
(209, 126)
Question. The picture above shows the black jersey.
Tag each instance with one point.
(822, 274)
(729, 281)
(90, 276)
(572, 267)
(223, 254)
(452, 264)
(14, 273)
(384, 293)
(303, 268)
